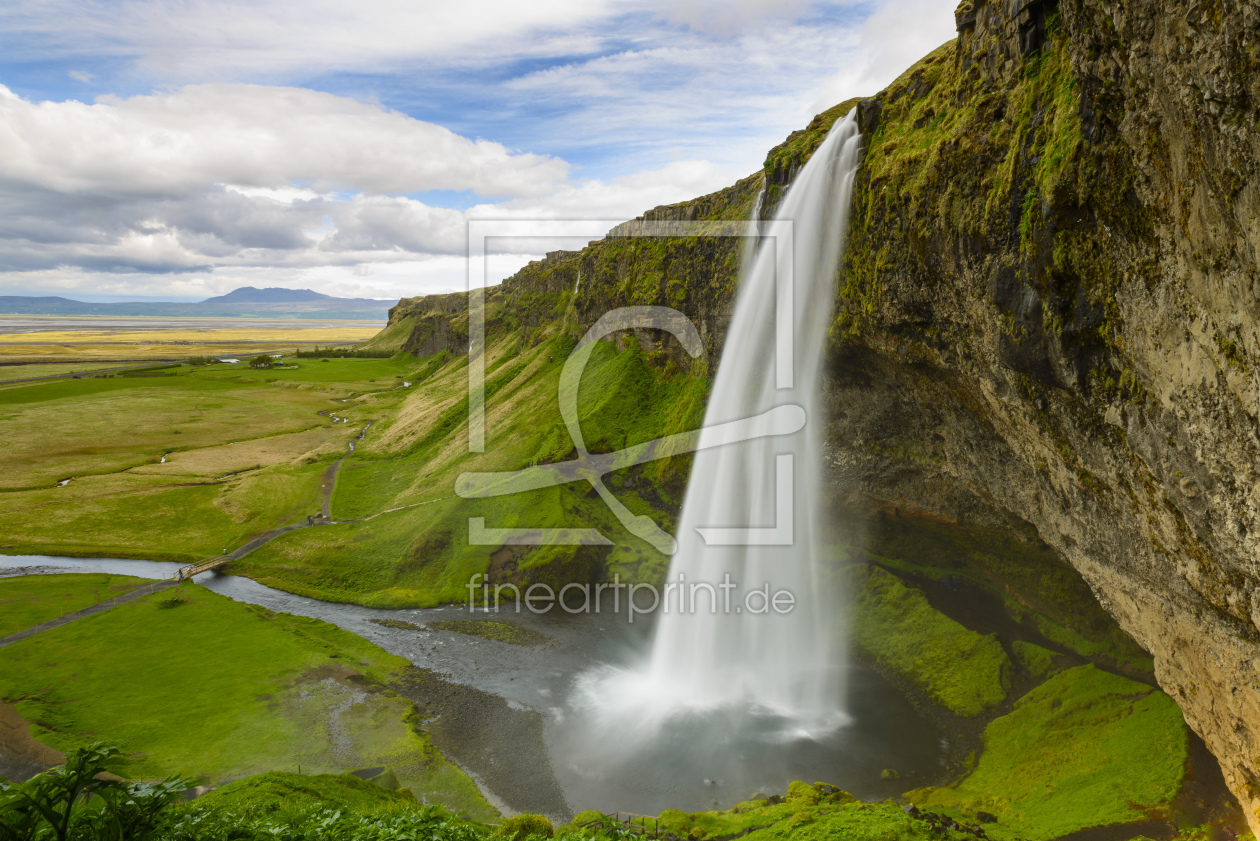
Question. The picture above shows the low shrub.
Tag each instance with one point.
(520, 827)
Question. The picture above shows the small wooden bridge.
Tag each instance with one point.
(201, 566)
(214, 563)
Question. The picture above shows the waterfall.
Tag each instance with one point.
(737, 700)
(787, 665)
(785, 662)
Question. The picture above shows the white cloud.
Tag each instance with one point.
(725, 17)
(196, 40)
(896, 35)
(256, 136)
(201, 225)
(619, 199)
(684, 97)
(287, 195)
(194, 190)
(388, 223)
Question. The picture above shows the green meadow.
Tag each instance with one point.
(28, 600)
(344, 792)
(894, 624)
(187, 681)
(357, 374)
(179, 466)
(53, 369)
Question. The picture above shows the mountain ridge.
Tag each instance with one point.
(243, 302)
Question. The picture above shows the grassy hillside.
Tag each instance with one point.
(410, 544)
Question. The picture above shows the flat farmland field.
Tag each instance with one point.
(122, 352)
(177, 466)
(86, 339)
(209, 335)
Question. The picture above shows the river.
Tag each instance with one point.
(701, 763)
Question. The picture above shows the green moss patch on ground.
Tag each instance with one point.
(217, 688)
(28, 600)
(1086, 748)
(1036, 660)
(292, 791)
(492, 629)
(895, 627)
(817, 811)
(1037, 587)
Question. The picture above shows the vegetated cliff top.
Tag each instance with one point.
(735, 203)
(625, 267)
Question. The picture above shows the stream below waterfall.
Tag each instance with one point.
(699, 763)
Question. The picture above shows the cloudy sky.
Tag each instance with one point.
(176, 149)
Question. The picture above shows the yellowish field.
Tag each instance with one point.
(135, 352)
(270, 335)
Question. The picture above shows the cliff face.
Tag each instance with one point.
(1049, 313)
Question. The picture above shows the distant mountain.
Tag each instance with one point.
(246, 302)
(270, 295)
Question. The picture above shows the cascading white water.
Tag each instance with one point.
(786, 662)
(786, 665)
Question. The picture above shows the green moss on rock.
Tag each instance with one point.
(894, 626)
(1037, 661)
(802, 793)
(1086, 748)
(837, 817)
(673, 820)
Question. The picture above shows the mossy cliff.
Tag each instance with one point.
(1048, 315)
(571, 290)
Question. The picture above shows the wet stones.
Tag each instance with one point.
(942, 823)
